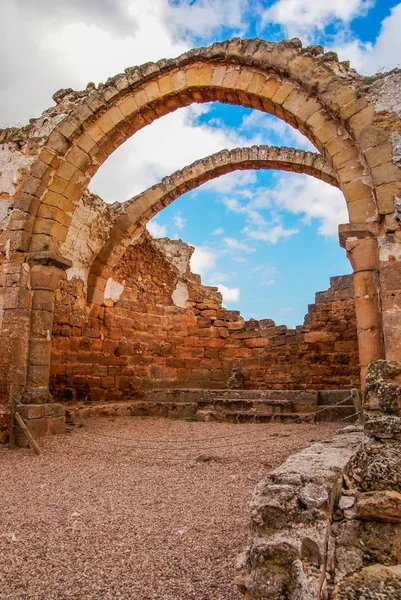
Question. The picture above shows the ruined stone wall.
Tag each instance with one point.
(326, 524)
(159, 327)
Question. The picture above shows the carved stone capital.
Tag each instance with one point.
(357, 231)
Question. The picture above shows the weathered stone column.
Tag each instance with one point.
(15, 297)
(360, 242)
(390, 289)
(44, 416)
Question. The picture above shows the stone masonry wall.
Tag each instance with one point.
(159, 327)
(326, 524)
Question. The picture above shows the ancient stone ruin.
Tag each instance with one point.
(96, 317)
(327, 523)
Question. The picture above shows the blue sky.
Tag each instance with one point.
(267, 238)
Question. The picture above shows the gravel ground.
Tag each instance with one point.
(135, 509)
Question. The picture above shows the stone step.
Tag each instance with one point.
(305, 396)
(172, 410)
(240, 406)
(239, 416)
(267, 401)
(297, 397)
(243, 404)
(180, 410)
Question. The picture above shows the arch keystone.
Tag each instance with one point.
(219, 75)
(300, 65)
(257, 83)
(231, 77)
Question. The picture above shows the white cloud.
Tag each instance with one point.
(266, 275)
(108, 36)
(355, 51)
(70, 43)
(311, 22)
(312, 198)
(367, 57)
(252, 216)
(270, 130)
(258, 228)
(234, 244)
(301, 18)
(271, 235)
(216, 278)
(218, 231)
(259, 197)
(229, 294)
(109, 14)
(157, 150)
(384, 54)
(203, 260)
(234, 205)
(228, 182)
(287, 309)
(155, 229)
(179, 221)
(205, 17)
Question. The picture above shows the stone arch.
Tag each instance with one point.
(306, 88)
(135, 213)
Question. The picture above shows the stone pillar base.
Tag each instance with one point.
(36, 395)
(42, 420)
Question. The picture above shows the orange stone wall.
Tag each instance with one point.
(143, 340)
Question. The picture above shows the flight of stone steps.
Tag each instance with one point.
(242, 406)
(235, 406)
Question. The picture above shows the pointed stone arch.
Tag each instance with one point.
(309, 90)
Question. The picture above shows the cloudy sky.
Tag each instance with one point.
(267, 239)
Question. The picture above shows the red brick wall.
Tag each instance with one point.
(144, 340)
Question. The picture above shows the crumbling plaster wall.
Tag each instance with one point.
(19, 150)
(90, 228)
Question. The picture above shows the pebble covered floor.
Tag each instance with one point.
(135, 508)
